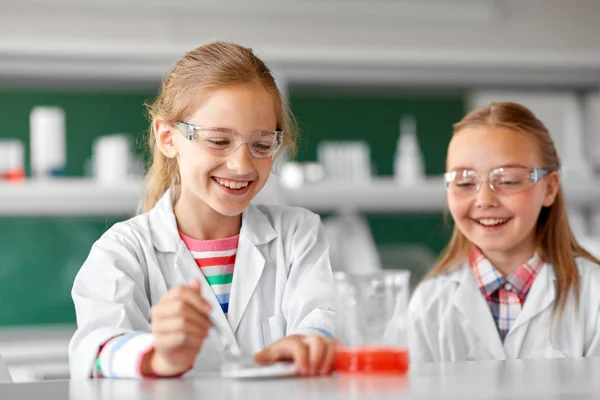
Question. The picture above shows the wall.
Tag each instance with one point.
(410, 41)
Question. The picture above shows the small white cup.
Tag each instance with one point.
(12, 158)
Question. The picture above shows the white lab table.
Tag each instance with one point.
(522, 379)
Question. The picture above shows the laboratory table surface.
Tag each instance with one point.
(516, 379)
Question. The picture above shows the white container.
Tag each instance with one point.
(112, 159)
(48, 142)
(409, 166)
(347, 161)
(12, 160)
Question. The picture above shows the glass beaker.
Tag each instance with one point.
(371, 322)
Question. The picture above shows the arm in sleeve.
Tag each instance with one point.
(308, 303)
(589, 309)
(121, 356)
(418, 347)
(110, 300)
(592, 348)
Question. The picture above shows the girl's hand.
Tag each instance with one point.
(180, 324)
(313, 355)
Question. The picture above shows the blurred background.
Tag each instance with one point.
(375, 85)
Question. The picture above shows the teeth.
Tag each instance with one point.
(491, 221)
(232, 184)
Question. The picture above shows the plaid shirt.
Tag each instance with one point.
(505, 296)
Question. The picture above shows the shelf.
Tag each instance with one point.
(85, 197)
(379, 195)
(76, 197)
(69, 197)
(384, 195)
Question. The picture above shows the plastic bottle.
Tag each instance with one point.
(48, 142)
(408, 160)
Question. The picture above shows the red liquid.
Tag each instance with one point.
(371, 360)
(16, 175)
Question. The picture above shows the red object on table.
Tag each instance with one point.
(371, 360)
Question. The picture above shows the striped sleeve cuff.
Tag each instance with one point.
(122, 355)
(314, 331)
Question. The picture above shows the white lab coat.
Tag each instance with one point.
(450, 320)
(282, 283)
(4, 374)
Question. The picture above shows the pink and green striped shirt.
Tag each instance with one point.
(216, 260)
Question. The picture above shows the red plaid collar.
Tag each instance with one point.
(490, 280)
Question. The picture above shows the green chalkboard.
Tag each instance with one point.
(39, 257)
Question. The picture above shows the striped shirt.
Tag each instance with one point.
(216, 260)
(505, 296)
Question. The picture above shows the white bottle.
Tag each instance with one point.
(409, 166)
(112, 158)
(48, 142)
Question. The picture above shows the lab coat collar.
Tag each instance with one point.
(541, 296)
(457, 274)
(163, 225)
(256, 230)
(165, 235)
(471, 303)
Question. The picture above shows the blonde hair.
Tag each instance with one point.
(197, 74)
(554, 237)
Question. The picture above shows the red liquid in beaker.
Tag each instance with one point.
(371, 360)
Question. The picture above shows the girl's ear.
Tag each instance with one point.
(552, 186)
(163, 132)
